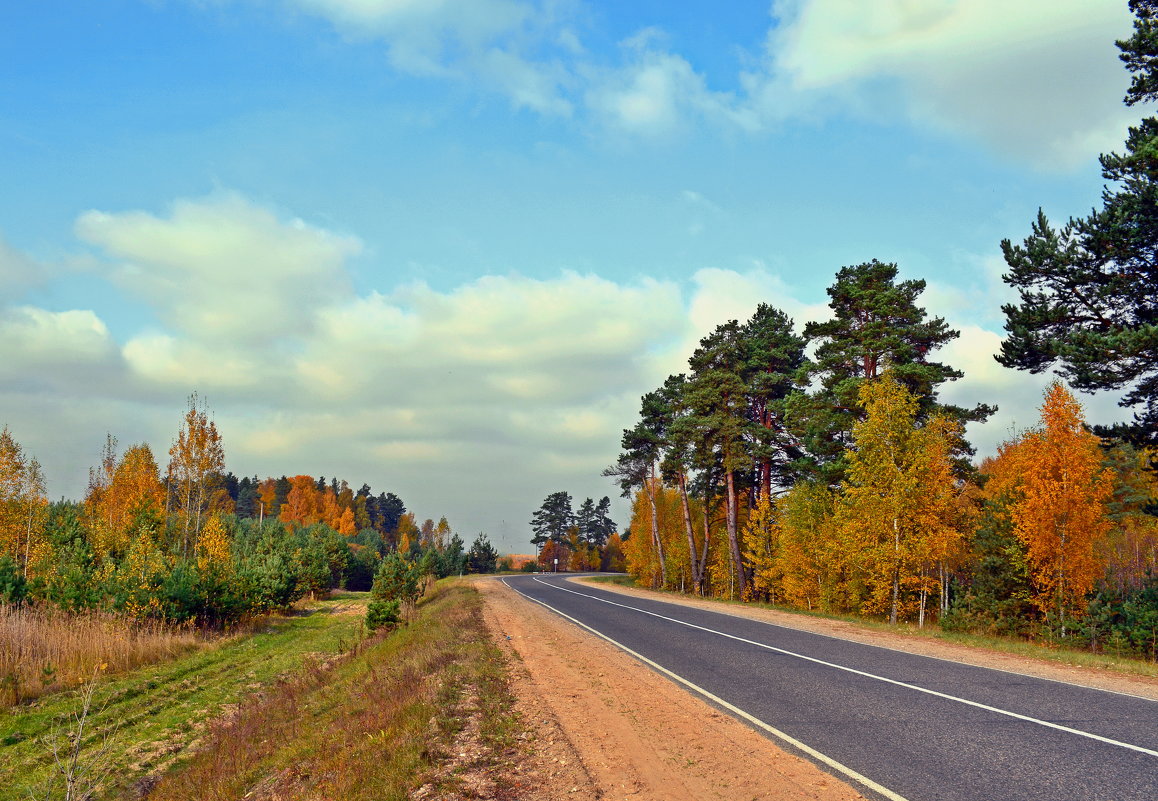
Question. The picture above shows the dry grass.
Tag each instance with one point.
(374, 724)
(45, 649)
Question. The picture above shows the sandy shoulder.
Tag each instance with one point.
(604, 726)
(1104, 679)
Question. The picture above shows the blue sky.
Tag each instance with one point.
(443, 246)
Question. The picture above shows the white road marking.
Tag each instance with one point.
(788, 626)
(927, 691)
(859, 778)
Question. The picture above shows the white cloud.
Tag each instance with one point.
(222, 268)
(537, 87)
(497, 340)
(420, 32)
(473, 402)
(1038, 80)
(489, 42)
(33, 337)
(165, 360)
(657, 92)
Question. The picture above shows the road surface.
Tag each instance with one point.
(900, 726)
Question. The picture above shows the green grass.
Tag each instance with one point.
(150, 714)
(373, 726)
(1050, 652)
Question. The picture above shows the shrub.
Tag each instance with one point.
(383, 614)
(13, 587)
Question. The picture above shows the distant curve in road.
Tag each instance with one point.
(905, 727)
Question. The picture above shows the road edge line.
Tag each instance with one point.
(915, 687)
(824, 759)
(580, 581)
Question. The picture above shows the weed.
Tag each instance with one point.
(80, 759)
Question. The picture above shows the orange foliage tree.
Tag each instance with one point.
(1059, 508)
(302, 504)
(114, 502)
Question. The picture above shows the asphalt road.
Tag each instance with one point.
(898, 725)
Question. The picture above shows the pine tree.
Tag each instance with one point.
(773, 355)
(876, 326)
(1088, 293)
(585, 520)
(552, 520)
(717, 400)
(482, 556)
(603, 526)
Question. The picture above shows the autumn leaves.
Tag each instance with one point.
(1056, 487)
(822, 472)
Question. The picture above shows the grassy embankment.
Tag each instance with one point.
(306, 708)
(1050, 651)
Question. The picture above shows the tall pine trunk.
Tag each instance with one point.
(651, 490)
(733, 533)
(693, 556)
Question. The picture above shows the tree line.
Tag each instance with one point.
(576, 540)
(819, 467)
(194, 543)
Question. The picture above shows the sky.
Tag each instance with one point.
(443, 246)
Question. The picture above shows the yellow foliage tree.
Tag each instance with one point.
(196, 461)
(762, 550)
(898, 511)
(613, 560)
(657, 551)
(213, 547)
(143, 569)
(407, 532)
(23, 503)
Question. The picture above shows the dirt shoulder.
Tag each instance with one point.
(603, 726)
(1104, 679)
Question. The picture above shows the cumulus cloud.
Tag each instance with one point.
(1036, 80)
(50, 353)
(492, 42)
(35, 337)
(658, 92)
(500, 344)
(407, 388)
(474, 402)
(223, 268)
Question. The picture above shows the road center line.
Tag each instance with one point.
(927, 691)
(843, 769)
